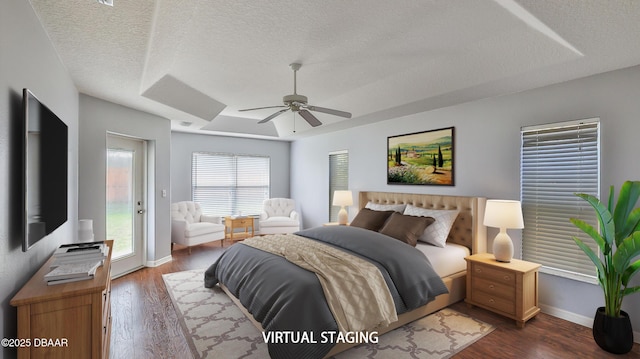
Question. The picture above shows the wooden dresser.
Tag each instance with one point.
(509, 289)
(77, 314)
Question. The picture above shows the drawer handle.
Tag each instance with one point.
(506, 277)
(491, 286)
(478, 270)
(491, 300)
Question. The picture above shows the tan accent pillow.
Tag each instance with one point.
(406, 228)
(370, 219)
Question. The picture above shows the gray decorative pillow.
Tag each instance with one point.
(370, 219)
(406, 228)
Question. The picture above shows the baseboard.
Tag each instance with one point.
(566, 315)
(576, 318)
(160, 261)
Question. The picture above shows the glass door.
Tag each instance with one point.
(125, 202)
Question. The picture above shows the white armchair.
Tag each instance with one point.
(190, 227)
(279, 216)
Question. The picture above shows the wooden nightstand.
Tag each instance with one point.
(231, 223)
(509, 289)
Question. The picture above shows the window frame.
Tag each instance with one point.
(547, 194)
(341, 182)
(236, 186)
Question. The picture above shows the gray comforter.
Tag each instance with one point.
(285, 297)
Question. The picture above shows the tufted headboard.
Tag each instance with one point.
(468, 229)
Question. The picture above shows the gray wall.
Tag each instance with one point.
(487, 160)
(98, 117)
(485, 130)
(184, 144)
(27, 59)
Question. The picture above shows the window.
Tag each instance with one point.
(227, 184)
(338, 179)
(557, 161)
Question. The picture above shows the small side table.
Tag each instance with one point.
(509, 289)
(232, 223)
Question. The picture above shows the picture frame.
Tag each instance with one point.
(422, 158)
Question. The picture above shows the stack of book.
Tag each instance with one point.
(75, 262)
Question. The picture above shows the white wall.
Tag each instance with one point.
(27, 59)
(487, 149)
(98, 117)
(184, 144)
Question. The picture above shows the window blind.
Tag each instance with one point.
(557, 161)
(338, 179)
(227, 184)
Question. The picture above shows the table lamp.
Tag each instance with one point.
(342, 198)
(503, 214)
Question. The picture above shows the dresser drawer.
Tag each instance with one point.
(495, 302)
(494, 288)
(494, 274)
(106, 315)
(106, 301)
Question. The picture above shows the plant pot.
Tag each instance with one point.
(614, 335)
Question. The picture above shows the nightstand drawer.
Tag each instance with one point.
(495, 302)
(494, 288)
(243, 222)
(493, 274)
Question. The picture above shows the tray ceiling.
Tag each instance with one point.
(198, 62)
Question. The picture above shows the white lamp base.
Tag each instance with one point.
(343, 216)
(503, 247)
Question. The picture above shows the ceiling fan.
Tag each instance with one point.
(298, 103)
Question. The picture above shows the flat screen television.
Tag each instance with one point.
(45, 170)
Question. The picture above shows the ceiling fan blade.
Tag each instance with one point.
(274, 115)
(313, 121)
(329, 111)
(261, 108)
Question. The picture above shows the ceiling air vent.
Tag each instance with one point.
(106, 2)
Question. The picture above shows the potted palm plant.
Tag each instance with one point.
(619, 243)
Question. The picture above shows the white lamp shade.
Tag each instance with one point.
(342, 198)
(503, 214)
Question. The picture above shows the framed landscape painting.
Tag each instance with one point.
(421, 158)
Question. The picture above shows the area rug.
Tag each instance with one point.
(216, 328)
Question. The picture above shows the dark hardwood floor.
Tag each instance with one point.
(145, 324)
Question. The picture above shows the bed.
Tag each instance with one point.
(466, 235)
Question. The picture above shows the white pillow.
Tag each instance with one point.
(385, 207)
(437, 233)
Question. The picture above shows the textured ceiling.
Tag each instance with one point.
(200, 61)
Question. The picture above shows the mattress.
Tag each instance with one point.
(447, 260)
